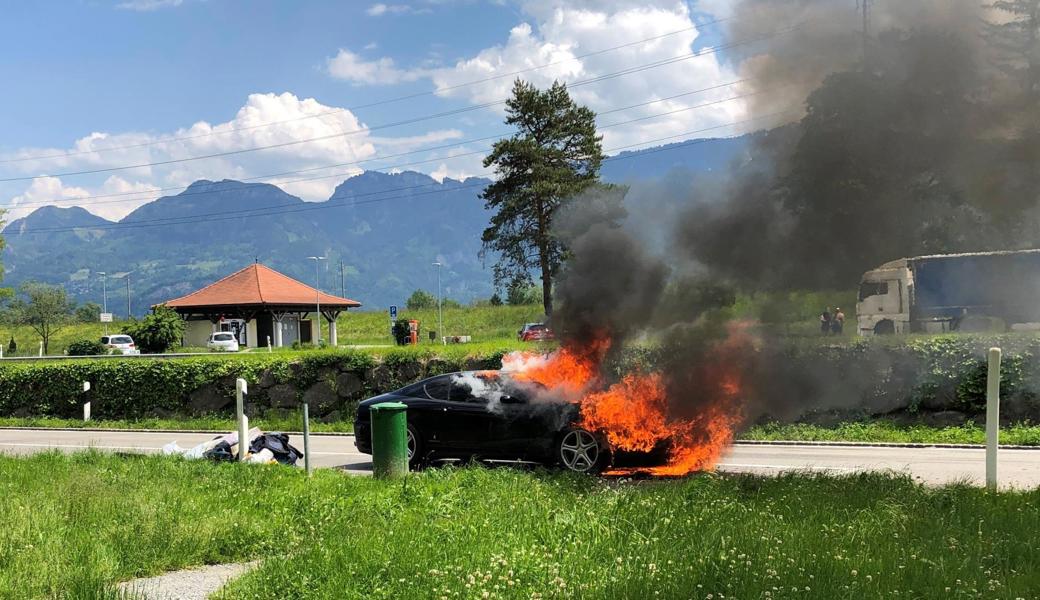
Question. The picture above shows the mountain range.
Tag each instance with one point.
(382, 231)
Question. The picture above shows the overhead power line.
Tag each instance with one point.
(82, 200)
(596, 79)
(296, 208)
(384, 102)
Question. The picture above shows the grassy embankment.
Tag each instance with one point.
(74, 525)
(482, 323)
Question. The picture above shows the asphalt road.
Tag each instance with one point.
(1018, 468)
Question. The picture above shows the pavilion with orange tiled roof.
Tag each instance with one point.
(261, 306)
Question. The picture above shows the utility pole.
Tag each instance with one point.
(128, 313)
(317, 292)
(440, 311)
(104, 295)
(342, 282)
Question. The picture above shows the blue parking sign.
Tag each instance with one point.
(393, 313)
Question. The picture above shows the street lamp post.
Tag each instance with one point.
(317, 293)
(440, 310)
(128, 312)
(104, 295)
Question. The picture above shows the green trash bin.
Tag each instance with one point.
(389, 439)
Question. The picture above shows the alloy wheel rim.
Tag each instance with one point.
(411, 445)
(579, 450)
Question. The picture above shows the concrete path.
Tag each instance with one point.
(189, 584)
(1018, 468)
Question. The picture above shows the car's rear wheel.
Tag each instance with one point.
(416, 450)
(578, 450)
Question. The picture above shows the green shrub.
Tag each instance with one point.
(86, 348)
(158, 332)
(401, 332)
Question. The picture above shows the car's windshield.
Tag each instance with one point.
(121, 339)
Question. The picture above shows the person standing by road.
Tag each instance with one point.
(838, 321)
(825, 321)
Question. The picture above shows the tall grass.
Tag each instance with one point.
(85, 521)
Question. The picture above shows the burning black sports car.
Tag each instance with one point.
(488, 416)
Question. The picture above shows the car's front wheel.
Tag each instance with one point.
(578, 450)
(416, 449)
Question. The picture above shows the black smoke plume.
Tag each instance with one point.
(920, 137)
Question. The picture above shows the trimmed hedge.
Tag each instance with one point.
(896, 376)
(136, 388)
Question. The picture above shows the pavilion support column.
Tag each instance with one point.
(277, 318)
(332, 333)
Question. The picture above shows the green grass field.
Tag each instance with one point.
(72, 526)
(880, 430)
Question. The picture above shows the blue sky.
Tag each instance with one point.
(95, 76)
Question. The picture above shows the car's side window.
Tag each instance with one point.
(437, 389)
(462, 392)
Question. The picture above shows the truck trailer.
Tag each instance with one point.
(951, 292)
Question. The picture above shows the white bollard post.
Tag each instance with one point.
(241, 389)
(41, 348)
(86, 405)
(268, 343)
(992, 416)
(307, 439)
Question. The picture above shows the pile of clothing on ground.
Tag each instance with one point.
(264, 448)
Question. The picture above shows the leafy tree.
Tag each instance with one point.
(44, 308)
(554, 155)
(89, 312)
(495, 300)
(12, 346)
(157, 332)
(421, 299)
(521, 294)
(450, 303)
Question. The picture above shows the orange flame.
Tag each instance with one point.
(634, 414)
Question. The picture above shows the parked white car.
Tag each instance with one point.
(222, 340)
(121, 344)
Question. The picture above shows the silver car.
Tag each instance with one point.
(223, 341)
(120, 344)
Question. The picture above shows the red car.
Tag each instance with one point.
(535, 332)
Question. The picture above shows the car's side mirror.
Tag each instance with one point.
(507, 399)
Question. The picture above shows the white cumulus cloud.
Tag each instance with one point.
(556, 33)
(339, 138)
(352, 67)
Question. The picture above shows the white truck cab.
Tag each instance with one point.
(885, 294)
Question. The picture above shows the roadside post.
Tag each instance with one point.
(393, 319)
(241, 389)
(268, 343)
(307, 438)
(41, 348)
(86, 403)
(389, 440)
(992, 416)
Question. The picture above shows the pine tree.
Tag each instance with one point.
(554, 155)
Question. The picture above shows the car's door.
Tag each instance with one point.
(525, 428)
(467, 421)
(450, 418)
